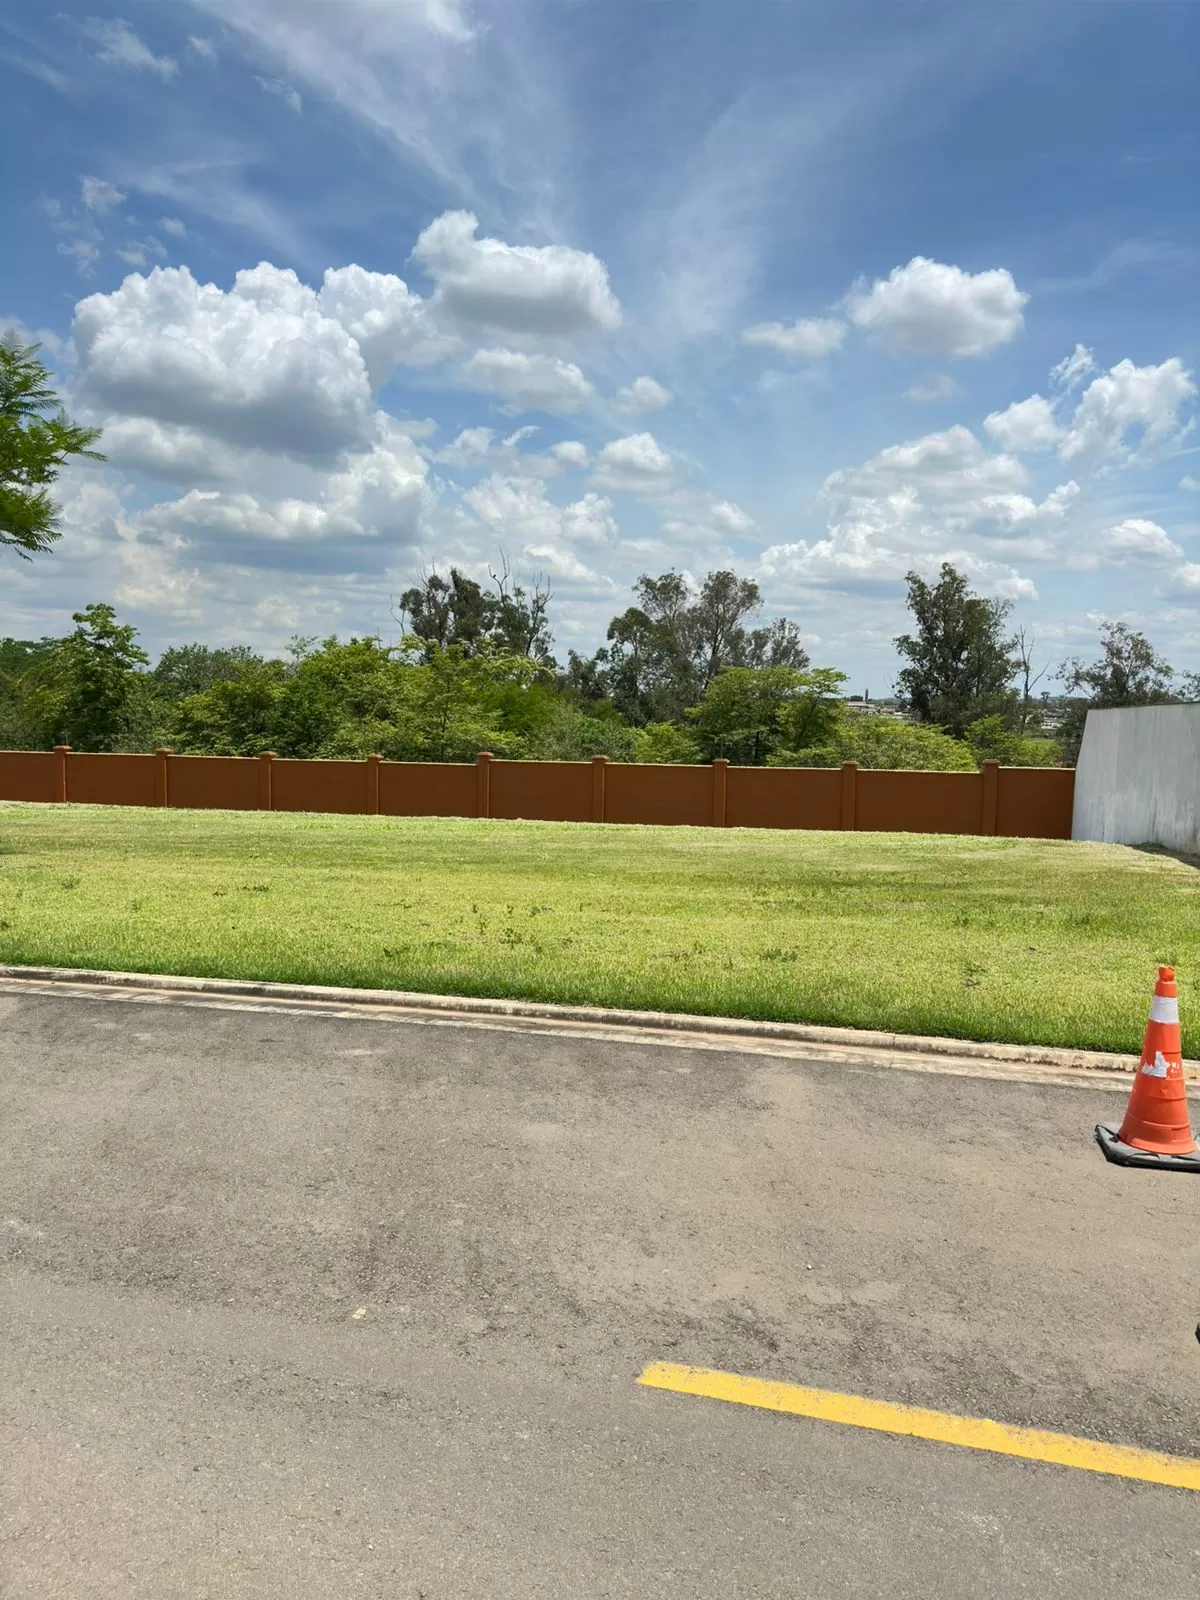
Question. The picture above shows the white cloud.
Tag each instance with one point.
(643, 394)
(389, 323)
(637, 464)
(529, 382)
(1142, 401)
(565, 567)
(83, 252)
(731, 518)
(291, 98)
(934, 309)
(362, 515)
(99, 195)
(120, 46)
(806, 340)
(517, 509)
(204, 48)
(940, 497)
(571, 453)
(173, 226)
(1192, 485)
(171, 453)
(1026, 425)
(1135, 540)
(260, 366)
(538, 290)
(1188, 576)
(1073, 369)
(940, 387)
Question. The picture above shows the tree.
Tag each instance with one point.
(715, 637)
(191, 668)
(664, 652)
(457, 611)
(885, 743)
(960, 662)
(750, 712)
(991, 739)
(37, 438)
(1130, 672)
(94, 681)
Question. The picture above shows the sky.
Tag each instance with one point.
(826, 293)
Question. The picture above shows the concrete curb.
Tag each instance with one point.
(676, 1022)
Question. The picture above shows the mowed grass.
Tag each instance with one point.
(1003, 939)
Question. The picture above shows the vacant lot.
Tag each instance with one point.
(1007, 939)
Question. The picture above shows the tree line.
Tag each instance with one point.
(686, 673)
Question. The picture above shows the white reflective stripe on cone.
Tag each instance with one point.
(1164, 1008)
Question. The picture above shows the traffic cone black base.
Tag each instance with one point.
(1125, 1155)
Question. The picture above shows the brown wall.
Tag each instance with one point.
(555, 791)
(1022, 801)
(28, 775)
(227, 783)
(919, 802)
(113, 780)
(318, 785)
(786, 797)
(427, 789)
(1035, 803)
(659, 794)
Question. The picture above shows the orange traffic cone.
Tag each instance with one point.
(1156, 1131)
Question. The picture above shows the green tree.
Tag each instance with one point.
(991, 739)
(885, 743)
(234, 716)
(192, 668)
(93, 683)
(37, 438)
(960, 661)
(1129, 672)
(750, 712)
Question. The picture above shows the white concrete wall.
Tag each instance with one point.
(1138, 777)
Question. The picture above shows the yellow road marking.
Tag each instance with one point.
(973, 1433)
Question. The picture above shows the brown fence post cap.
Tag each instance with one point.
(62, 749)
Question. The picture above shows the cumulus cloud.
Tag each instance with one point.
(931, 308)
(1143, 402)
(119, 46)
(518, 508)
(1190, 484)
(544, 291)
(940, 497)
(571, 453)
(1026, 425)
(806, 340)
(173, 226)
(363, 514)
(1135, 540)
(260, 365)
(730, 518)
(1073, 369)
(643, 394)
(637, 464)
(529, 382)
(171, 453)
(389, 323)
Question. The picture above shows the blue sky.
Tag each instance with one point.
(358, 288)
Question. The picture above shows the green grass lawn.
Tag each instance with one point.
(1021, 940)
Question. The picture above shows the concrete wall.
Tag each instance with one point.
(1033, 802)
(1138, 777)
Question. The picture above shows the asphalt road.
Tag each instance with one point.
(305, 1306)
